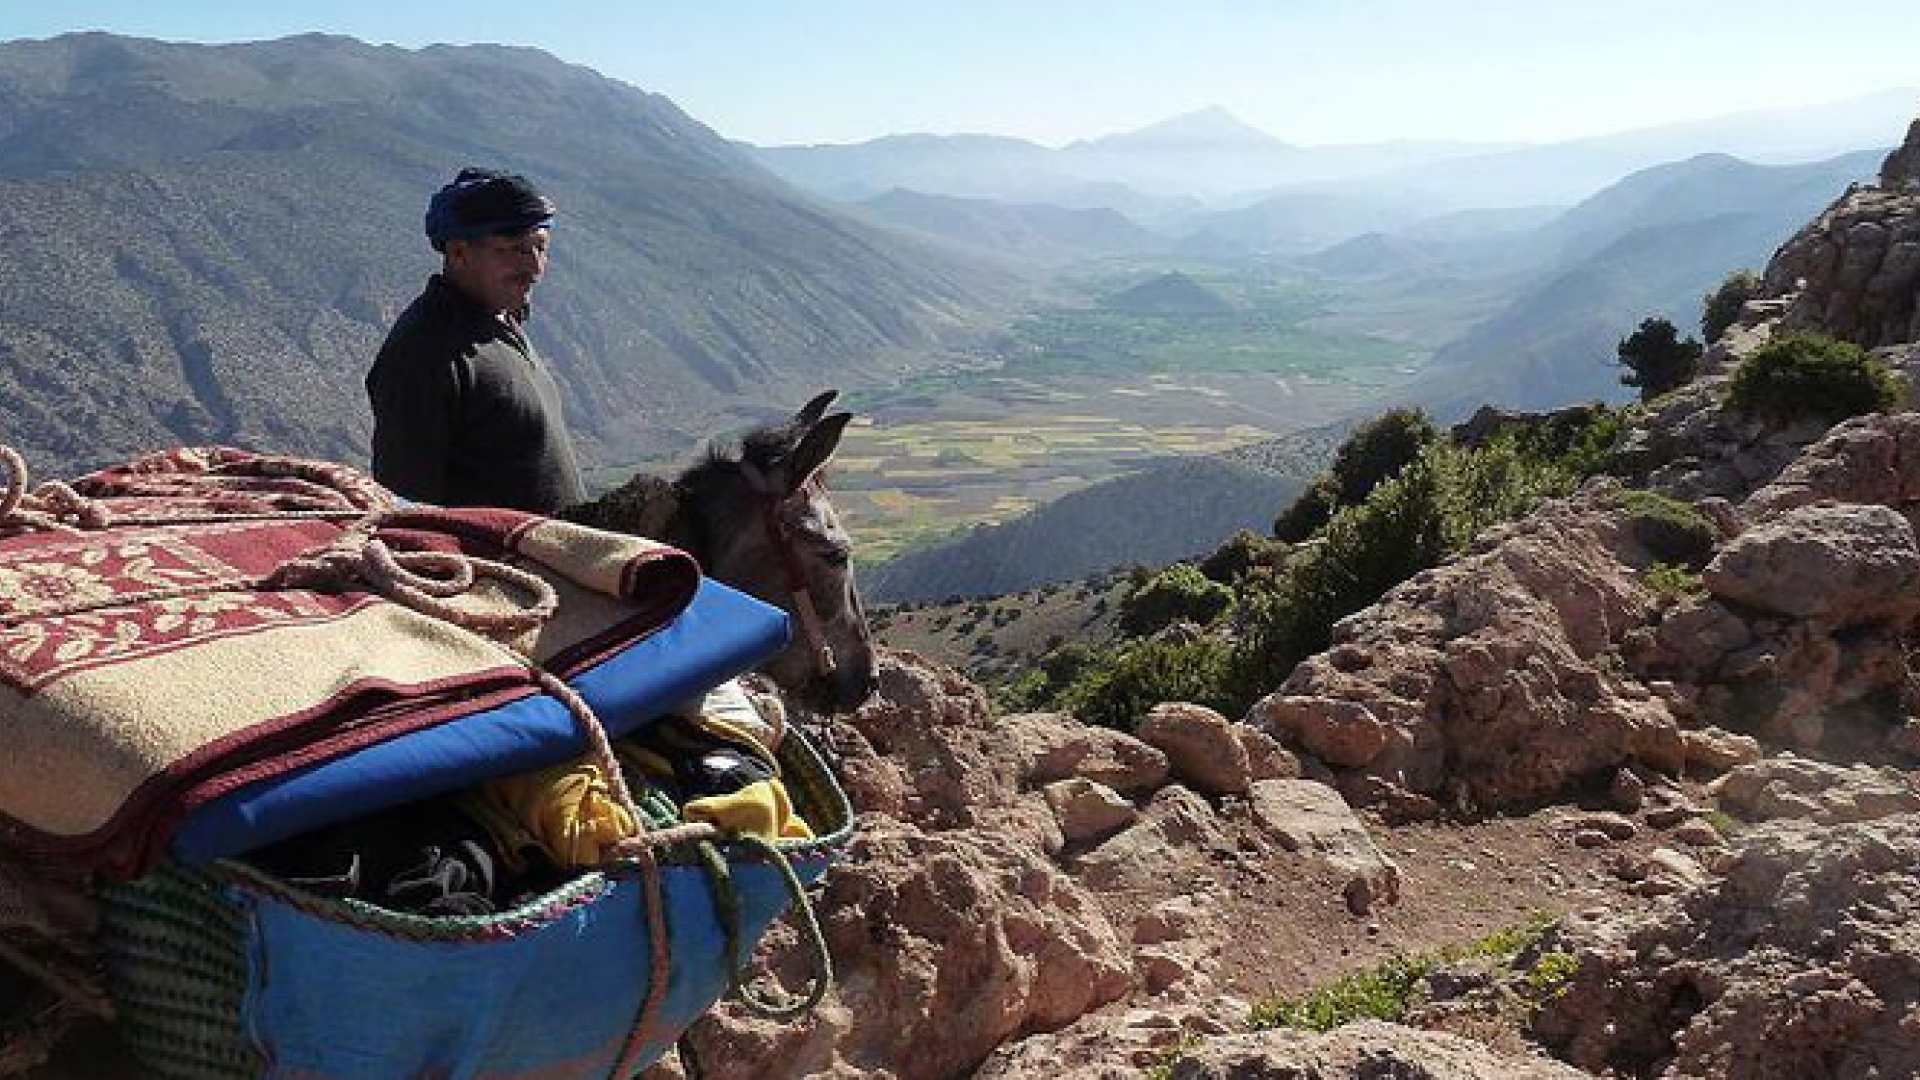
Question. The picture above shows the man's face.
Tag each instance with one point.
(499, 271)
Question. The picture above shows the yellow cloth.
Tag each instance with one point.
(760, 809)
(567, 811)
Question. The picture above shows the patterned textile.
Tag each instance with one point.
(145, 669)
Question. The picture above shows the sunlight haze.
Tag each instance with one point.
(1311, 73)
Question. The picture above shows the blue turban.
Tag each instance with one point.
(482, 202)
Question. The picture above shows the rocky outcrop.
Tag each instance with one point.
(1493, 680)
(1799, 635)
(1786, 786)
(1855, 271)
(1801, 961)
(1366, 1050)
(951, 926)
(1012, 875)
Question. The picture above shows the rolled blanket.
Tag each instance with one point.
(147, 668)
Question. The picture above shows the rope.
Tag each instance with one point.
(811, 936)
(54, 507)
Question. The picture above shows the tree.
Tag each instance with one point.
(1721, 307)
(1657, 360)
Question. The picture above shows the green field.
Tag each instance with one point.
(904, 484)
(1081, 391)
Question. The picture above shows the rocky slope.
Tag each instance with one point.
(1714, 786)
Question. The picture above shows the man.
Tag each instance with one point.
(464, 412)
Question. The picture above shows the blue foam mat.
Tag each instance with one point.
(722, 633)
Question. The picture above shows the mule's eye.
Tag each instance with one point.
(836, 557)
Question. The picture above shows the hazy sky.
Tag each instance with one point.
(1309, 71)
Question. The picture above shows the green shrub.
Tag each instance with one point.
(1176, 593)
(1244, 552)
(1375, 452)
(1672, 531)
(1721, 307)
(1673, 580)
(1309, 512)
(1117, 691)
(1384, 992)
(1550, 976)
(1810, 376)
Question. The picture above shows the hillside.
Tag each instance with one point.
(1155, 516)
(1036, 233)
(1171, 293)
(1196, 503)
(211, 241)
(1576, 169)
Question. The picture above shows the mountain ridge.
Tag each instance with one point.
(244, 257)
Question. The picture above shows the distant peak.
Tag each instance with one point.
(1212, 128)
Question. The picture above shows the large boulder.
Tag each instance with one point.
(1202, 747)
(1045, 747)
(1802, 960)
(1837, 564)
(1787, 786)
(1138, 856)
(944, 946)
(1313, 820)
(1868, 459)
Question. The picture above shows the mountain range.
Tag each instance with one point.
(208, 243)
(1209, 153)
(1228, 164)
(1651, 245)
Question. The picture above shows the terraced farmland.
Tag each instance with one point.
(902, 484)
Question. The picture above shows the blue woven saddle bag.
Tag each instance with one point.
(221, 971)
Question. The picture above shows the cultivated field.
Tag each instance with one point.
(1084, 391)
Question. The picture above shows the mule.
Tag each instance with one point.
(757, 518)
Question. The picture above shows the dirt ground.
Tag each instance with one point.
(1459, 882)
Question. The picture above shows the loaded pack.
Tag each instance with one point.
(298, 781)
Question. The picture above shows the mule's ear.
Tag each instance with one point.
(812, 411)
(816, 446)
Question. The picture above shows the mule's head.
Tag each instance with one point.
(767, 529)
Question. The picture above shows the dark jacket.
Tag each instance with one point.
(464, 412)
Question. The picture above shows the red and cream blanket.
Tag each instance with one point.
(148, 666)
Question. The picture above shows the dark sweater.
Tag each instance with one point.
(464, 412)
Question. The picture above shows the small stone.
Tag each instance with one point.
(1613, 826)
(1591, 838)
(1160, 969)
(1627, 792)
(1666, 817)
(1697, 833)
